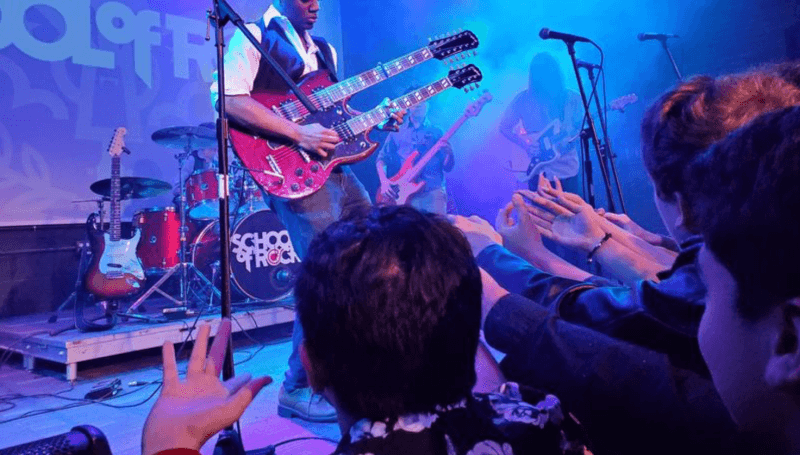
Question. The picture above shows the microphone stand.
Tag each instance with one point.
(606, 152)
(671, 59)
(230, 441)
(592, 130)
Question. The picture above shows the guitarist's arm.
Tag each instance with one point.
(387, 148)
(510, 118)
(449, 159)
(246, 111)
(242, 62)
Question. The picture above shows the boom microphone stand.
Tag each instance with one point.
(592, 129)
(230, 441)
(607, 153)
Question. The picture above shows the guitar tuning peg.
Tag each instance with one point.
(477, 85)
(466, 90)
(475, 53)
(451, 60)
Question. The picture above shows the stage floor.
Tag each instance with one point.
(32, 403)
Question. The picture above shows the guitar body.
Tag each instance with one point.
(116, 271)
(402, 183)
(286, 171)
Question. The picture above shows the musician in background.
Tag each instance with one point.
(533, 110)
(417, 135)
(198, 160)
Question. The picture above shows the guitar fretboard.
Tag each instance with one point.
(116, 228)
(327, 97)
(370, 119)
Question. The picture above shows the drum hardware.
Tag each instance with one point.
(131, 188)
(186, 138)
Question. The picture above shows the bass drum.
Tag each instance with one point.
(264, 265)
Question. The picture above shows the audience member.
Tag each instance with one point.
(390, 306)
(748, 206)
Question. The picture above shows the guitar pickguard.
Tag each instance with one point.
(119, 258)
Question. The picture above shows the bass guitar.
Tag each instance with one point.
(403, 183)
(285, 170)
(115, 271)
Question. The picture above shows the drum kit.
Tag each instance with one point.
(185, 241)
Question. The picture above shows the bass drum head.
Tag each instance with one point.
(264, 264)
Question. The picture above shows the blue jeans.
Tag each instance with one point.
(341, 196)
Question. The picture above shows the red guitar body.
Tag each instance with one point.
(278, 165)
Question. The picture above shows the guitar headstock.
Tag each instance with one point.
(117, 145)
(622, 102)
(475, 108)
(456, 43)
(466, 77)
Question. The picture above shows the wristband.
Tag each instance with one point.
(597, 247)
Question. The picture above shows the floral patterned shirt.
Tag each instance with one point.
(498, 423)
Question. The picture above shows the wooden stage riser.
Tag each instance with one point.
(72, 347)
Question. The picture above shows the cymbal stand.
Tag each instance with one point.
(184, 267)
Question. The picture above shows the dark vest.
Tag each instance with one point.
(277, 45)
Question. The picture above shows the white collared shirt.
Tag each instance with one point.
(242, 59)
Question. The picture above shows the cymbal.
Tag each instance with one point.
(181, 137)
(132, 187)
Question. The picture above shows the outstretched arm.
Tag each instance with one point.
(189, 412)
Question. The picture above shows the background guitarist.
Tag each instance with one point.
(284, 32)
(532, 110)
(417, 135)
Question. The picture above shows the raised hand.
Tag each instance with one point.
(521, 236)
(624, 221)
(189, 412)
(317, 139)
(564, 221)
(479, 232)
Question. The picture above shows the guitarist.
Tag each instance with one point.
(283, 31)
(546, 100)
(417, 135)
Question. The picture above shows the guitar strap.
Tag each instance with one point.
(281, 72)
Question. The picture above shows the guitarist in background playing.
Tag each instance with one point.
(283, 31)
(546, 100)
(417, 135)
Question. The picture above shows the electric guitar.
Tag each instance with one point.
(115, 271)
(553, 142)
(324, 94)
(403, 182)
(285, 170)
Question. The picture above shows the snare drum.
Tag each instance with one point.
(264, 265)
(202, 195)
(159, 247)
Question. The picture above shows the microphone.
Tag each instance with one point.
(546, 33)
(587, 65)
(656, 36)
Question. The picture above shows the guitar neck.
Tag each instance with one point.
(116, 227)
(360, 82)
(370, 119)
(420, 164)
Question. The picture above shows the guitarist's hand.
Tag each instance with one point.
(317, 139)
(388, 192)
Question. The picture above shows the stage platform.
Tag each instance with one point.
(35, 338)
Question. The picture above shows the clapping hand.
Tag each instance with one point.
(189, 412)
(479, 232)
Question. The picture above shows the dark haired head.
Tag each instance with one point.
(546, 83)
(699, 112)
(748, 204)
(390, 307)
